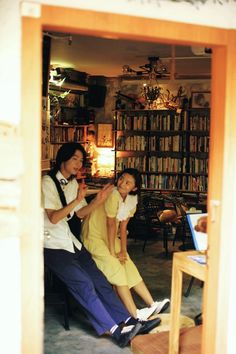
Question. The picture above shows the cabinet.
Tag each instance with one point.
(170, 149)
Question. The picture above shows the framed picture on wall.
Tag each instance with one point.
(104, 135)
(201, 99)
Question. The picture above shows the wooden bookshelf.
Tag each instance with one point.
(170, 149)
(61, 134)
(64, 119)
(45, 136)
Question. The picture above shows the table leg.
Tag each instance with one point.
(176, 295)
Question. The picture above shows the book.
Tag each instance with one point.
(201, 258)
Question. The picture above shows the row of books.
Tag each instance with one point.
(161, 182)
(164, 164)
(153, 143)
(131, 143)
(65, 134)
(199, 143)
(168, 164)
(194, 183)
(138, 162)
(163, 121)
(175, 182)
(126, 122)
(153, 122)
(45, 151)
(165, 143)
(197, 165)
(199, 122)
(45, 139)
(172, 143)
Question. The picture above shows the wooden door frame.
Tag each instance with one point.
(223, 128)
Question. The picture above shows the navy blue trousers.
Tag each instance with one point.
(89, 287)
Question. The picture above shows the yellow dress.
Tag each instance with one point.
(94, 235)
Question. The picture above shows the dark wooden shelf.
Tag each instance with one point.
(182, 131)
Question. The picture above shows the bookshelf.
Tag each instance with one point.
(64, 133)
(65, 118)
(170, 149)
(45, 137)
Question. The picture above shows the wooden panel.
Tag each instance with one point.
(31, 223)
(121, 26)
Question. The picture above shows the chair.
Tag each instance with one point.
(153, 206)
(56, 293)
(163, 212)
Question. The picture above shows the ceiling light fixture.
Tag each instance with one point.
(151, 93)
(153, 69)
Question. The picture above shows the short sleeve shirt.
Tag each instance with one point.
(59, 236)
(115, 201)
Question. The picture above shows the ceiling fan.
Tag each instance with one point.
(152, 70)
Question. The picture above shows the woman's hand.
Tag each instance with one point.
(122, 256)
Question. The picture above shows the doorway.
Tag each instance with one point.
(90, 22)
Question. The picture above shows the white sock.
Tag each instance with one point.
(127, 319)
(112, 330)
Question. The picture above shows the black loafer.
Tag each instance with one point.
(147, 326)
(125, 338)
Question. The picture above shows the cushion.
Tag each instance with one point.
(185, 322)
(157, 343)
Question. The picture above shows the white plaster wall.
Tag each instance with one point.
(10, 154)
(10, 328)
(10, 36)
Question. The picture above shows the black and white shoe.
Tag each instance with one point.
(144, 313)
(147, 326)
(124, 336)
(157, 307)
(161, 306)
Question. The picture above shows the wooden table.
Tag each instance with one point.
(181, 264)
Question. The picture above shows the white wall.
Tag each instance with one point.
(10, 170)
(10, 35)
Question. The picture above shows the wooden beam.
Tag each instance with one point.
(31, 217)
(123, 26)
